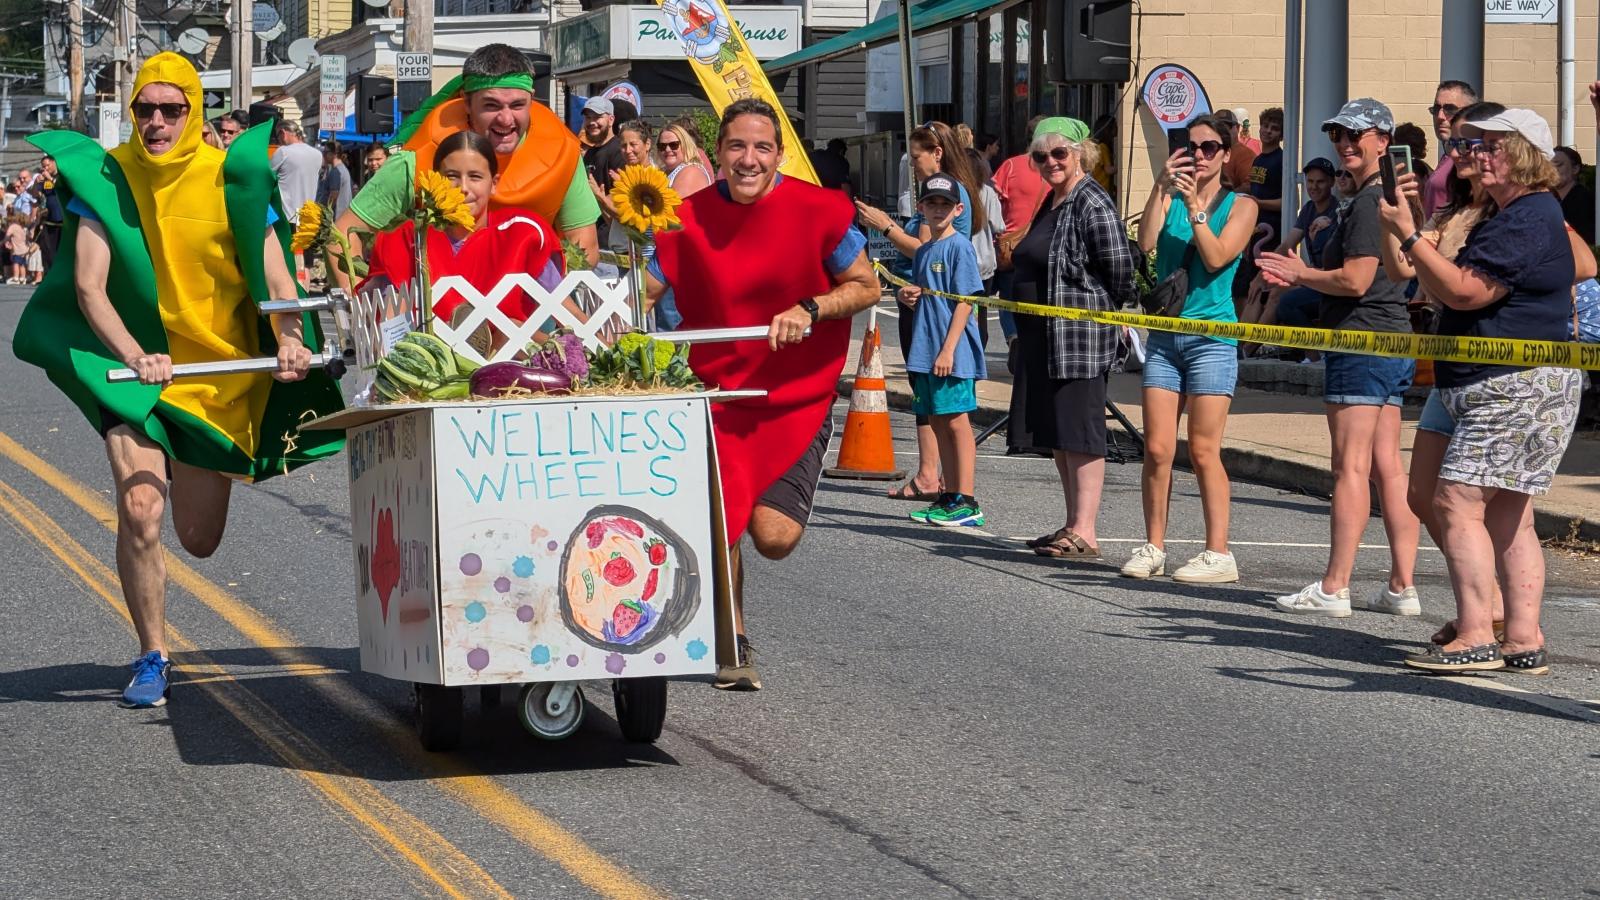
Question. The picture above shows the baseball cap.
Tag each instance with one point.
(941, 186)
(1069, 128)
(1525, 122)
(600, 106)
(1321, 164)
(1225, 116)
(1359, 115)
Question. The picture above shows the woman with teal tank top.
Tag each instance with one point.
(1191, 220)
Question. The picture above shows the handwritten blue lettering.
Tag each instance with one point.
(507, 431)
(675, 421)
(485, 485)
(667, 485)
(584, 478)
(552, 477)
(478, 440)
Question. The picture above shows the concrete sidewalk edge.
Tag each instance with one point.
(1281, 472)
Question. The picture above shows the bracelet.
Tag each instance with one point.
(1408, 243)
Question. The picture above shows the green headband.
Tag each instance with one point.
(521, 80)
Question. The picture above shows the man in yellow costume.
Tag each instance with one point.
(167, 246)
(540, 165)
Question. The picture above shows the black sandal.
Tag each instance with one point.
(1528, 662)
(1482, 658)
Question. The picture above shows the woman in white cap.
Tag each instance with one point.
(1513, 279)
(1362, 394)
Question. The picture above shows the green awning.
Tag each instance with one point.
(925, 16)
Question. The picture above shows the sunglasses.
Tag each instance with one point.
(1448, 109)
(1346, 175)
(1059, 154)
(1207, 149)
(1484, 148)
(1337, 133)
(1461, 145)
(169, 111)
(663, 146)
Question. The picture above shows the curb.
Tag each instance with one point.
(1273, 471)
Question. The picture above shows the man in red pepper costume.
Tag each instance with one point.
(761, 249)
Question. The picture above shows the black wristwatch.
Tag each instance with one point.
(809, 304)
(1408, 243)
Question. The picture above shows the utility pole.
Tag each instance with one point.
(419, 26)
(75, 119)
(123, 53)
(243, 46)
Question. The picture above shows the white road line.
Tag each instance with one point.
(1020, 539)
(1576, 709)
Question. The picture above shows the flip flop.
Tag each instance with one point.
(1069, 546)
(909, 491)
(1047, 539)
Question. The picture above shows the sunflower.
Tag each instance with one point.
(314, 230)
(442, 203)
(644, 200)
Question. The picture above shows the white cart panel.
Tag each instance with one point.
(574, 539)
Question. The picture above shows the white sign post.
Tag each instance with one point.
(1520, 12)
(413, 67)
(330, 111)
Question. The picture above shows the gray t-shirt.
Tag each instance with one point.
(299, 168)
(1359, 233)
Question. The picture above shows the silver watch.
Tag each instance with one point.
(1199, 218)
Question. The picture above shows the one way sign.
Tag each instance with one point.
(1520, 12)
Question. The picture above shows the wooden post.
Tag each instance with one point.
(419, 26)
(243, 47)
(75, 65)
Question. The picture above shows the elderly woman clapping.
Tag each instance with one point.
(1513, 279)
(1075, 254)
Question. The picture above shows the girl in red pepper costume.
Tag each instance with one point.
(758, 249)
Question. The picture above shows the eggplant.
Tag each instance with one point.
(502, 378)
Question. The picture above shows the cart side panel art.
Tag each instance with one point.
(391, 514)
(575, 540)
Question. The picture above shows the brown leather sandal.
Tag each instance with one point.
(1069, 546)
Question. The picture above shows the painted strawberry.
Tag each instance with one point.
(623, 525)
(618, 572)
(596, 532)
(625, 618)
(658, 551)
(650, 582)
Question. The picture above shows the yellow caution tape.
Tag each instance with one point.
(1492, 351)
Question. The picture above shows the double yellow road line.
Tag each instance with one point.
(436, 861)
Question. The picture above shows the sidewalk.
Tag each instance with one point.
(1277, 439)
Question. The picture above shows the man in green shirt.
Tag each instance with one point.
(542, 171)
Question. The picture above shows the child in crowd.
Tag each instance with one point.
(945, 358)
(35, 261)
(17, 249)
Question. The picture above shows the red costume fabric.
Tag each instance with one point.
(511, 240)
(735, 264)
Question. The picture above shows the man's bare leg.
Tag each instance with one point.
(775, 536)
(138, 467)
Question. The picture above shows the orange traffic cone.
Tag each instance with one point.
(866, 451)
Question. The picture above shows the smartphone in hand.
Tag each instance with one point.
(1386, 172)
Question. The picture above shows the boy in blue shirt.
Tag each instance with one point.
(945, 358)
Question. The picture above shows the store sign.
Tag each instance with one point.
(1520, 12)
(581, 42)
(333, 74)
(413, 67)
(330, 112)
(1174, 96)
(655, 33)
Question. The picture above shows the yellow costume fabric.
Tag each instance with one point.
(203, 298)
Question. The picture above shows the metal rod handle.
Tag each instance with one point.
(327, 358)
(719, 335)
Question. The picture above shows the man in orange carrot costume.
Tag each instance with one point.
(540, 161)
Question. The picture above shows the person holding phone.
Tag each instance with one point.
(1193, 222)
(1362, 393)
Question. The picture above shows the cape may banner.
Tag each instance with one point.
(1174, 96)
(720, 56)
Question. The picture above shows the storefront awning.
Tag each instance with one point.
(925, 16)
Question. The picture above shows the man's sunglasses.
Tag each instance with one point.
(1461, 145)
(1207, 149)
(169, 111)
(1448, 109)
(663, 146)
(1344, 175)
(1059, 154)
(1338, 133)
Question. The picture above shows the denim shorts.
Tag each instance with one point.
(1190, 364)
(1352, 379)
(1435, 417)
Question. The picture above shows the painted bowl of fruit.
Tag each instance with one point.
(627, 580)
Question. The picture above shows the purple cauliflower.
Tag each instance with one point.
(562, 353)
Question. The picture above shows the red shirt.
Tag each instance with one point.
(1021, 189)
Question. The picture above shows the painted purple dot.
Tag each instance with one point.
(525, 613)
(502, 584)
(471, 564)
(478, 659)
(660, 658)
(572, 661)
(615, 663)
(552, 546)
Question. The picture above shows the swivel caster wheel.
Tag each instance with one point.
(551, 710)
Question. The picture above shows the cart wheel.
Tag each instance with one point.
(438, 717)
(641, 707)
(489, 697)
(551, 710)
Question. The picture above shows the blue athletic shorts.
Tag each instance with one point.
(942, 395)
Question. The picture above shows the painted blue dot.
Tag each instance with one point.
(696, 649)
(540, 655)
(522, 567)
(475, 612)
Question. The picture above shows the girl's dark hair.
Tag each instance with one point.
(471, 141)
(1458, 190)
(637, 126)
(750, 107)
(1223, 129)
(1572, 155)
(953, 162)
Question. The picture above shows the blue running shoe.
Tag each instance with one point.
(149, 685)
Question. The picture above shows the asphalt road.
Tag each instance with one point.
(945, 715)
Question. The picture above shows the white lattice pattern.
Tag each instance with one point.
(607, 306)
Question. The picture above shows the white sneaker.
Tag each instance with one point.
(1311, 601)
(1384, 600)
(1147, 561)
(1209, 567)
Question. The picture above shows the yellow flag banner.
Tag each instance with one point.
(728, 71)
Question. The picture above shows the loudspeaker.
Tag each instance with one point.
(412, 94)
(375, 105)
(1095, 40)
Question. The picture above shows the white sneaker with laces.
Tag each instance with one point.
(1210, 567)
(1405, 603)
(1312, 601)
(1147, 561)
